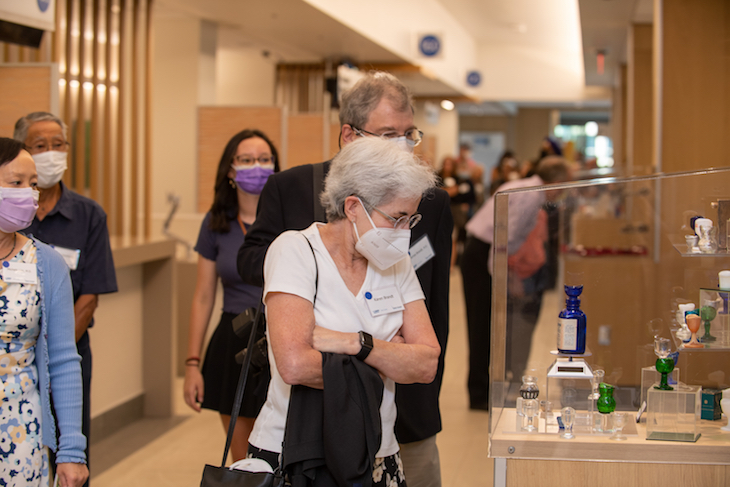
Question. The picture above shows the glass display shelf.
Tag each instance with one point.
(719, 328)
(685, 251)
(712, 448)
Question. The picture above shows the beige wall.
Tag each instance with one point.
(174, 117)
(504, 124)
(532, 126)
(243, 75)
(445, 131)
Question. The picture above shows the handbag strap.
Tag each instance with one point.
(317, 180)
(316, 270)
(241, 383)
(314, 300)
(247, 363)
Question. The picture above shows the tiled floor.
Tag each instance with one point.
(173, 452)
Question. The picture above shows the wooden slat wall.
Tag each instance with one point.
(27, 89)
(216, 126)
(334, 140)
(304, 139)
(103, 50)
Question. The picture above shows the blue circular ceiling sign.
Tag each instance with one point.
(430, 45)
(473, 78)
(43, 5)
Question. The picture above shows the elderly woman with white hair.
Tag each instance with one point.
(344, 295)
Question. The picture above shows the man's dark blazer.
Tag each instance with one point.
(287, 203)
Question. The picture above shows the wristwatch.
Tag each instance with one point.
(366, 345)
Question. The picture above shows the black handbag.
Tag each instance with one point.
(222, 476)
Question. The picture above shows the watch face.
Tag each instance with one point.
(366, 345)
(366, 340)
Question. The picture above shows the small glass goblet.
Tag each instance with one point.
(662, 347)
(567, 415)
(619, 421)
(531, 409)
(664, 364)
(598, 376)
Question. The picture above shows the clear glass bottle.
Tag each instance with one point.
(598, 376)
(683, 333)
(572, 323)
(532, 411)
(528, 390)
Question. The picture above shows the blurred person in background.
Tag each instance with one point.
(528, 254)
(462, 196)
(507, 169)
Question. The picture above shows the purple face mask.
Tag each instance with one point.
(251, 179)
(17, 208)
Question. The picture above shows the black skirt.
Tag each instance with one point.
(221, 373)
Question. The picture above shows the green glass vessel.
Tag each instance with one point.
(665, 366)
(605, 403)
(707, 313)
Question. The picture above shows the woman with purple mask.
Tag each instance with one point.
(37, 346)
(247, 161)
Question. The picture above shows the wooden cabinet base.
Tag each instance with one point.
(560, 473)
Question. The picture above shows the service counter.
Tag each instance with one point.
(134, 336)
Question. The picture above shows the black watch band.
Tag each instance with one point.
(366, 345)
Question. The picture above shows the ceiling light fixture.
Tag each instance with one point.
(447, 105)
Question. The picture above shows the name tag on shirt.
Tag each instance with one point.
(71, 256)
(20, 272)
(384, 301)
(421, 252)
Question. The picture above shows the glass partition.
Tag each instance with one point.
(625, 241)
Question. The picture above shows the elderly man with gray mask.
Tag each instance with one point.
(76, 227)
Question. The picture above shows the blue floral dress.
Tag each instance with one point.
(23, 458)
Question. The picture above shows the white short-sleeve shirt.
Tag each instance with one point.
(289, 268)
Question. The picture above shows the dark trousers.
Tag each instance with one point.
(84, 348)
(478, 299)
(522, 314)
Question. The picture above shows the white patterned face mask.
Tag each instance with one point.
(382, 247)
(50, 166)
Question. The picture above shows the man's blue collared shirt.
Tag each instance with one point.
(79, 223)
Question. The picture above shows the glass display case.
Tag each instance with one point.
(627, 242)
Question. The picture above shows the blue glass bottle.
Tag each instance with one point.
(572, 323)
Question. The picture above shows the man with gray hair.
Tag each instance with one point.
(379, 105)
(76, 227)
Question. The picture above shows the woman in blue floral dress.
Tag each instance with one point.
(36, 341)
